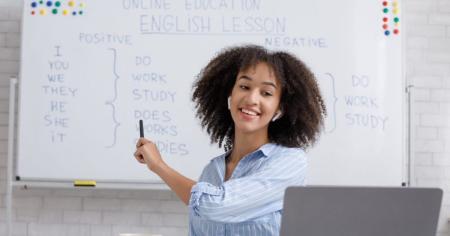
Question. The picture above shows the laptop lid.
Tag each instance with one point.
(360, 211)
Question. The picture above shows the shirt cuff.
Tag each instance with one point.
(200, 189)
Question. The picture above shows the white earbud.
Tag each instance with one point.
(277, 116)
(229, 103)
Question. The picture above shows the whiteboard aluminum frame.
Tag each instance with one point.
(11, 138)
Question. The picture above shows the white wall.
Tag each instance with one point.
(110, 212)
(428, 67)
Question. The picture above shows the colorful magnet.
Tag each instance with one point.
(55, 11)
(387, 32)
(385, 26)
(71, 3)
(396, 31)
(395, 11)
(385, 3)
(385, 19)
(82, 5)
(32, 13)
(49, 3)
(42, 12)
(57, 3)
(65, 12)
(33, 4)
(74, 13)
(80, 13)
(385, 10)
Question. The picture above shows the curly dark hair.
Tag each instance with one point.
(301, 102)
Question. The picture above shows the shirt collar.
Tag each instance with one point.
(267, 148)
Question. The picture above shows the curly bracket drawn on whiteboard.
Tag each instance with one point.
(329, 92)
(111, 103)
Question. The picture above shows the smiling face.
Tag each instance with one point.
(255, 99)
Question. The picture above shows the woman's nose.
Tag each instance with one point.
(252, 97)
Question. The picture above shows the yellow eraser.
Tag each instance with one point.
(84, 183)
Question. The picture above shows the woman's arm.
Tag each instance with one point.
(179, 183)
(254, 195)
(147, 153)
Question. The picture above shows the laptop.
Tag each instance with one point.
(360, 211)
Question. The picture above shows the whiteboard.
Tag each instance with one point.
(91, 69)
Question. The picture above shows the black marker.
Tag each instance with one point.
(141, 128)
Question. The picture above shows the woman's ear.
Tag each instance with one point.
(277, 115)
(229, 102)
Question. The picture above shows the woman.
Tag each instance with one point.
(265, 108)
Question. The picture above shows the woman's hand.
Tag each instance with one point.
(147, 153)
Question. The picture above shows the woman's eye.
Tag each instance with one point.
(267, 94)
(243, 87)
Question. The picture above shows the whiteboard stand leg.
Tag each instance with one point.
(410, 154)
(11, 136)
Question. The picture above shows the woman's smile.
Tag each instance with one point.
(248, 114)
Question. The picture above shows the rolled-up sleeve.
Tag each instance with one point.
(251, 196)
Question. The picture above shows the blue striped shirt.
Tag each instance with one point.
(251, 201)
